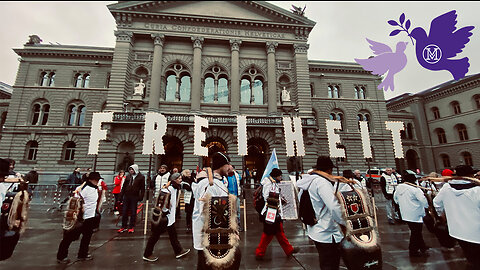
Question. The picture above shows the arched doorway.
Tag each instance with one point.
(412, 160)
(173, 156)
(125, 155)
(256, 158)
(214, 144)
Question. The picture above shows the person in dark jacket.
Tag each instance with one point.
(132, 192)
(187, 181)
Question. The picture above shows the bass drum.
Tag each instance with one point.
(8, 238)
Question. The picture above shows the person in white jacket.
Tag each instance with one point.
(162, 178)
(412, 204)
(460, 200)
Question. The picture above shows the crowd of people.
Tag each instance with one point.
(455, 199)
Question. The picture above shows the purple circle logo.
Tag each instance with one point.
(432, 54)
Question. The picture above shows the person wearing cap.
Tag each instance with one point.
(412, 204)
(132, 192)
(221, 167)
(388, 183)
(167, 222)
(330, 228)
(460, 201)
(89, 192)
(272, 195)
(161, 179)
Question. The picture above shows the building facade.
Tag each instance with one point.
(442, 125)
(183, 59)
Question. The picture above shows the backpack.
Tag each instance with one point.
(258, 200)
(73, 217)
(306, 212)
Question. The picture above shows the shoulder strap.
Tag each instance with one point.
(210, 176)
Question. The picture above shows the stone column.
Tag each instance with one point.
(215, 91)
(301, 95)
(177, 89)
(197, 76)
(235, 76)
(156, 72)
(272, 78)
(121, 64)
(252, 96)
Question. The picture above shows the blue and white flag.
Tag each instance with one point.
(272, 163)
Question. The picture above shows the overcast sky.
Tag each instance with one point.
(339, 34)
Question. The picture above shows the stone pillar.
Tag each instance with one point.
(272, 78)
(121, 64)
(156, 72)
(235, 76)
(301, 95)
(177, 89)
(252, 96)
(197, 73)
(215, 91)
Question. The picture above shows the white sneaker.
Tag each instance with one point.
(182, 253)
(150, 258)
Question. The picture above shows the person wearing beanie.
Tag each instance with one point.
(89, 192)
(221, 167)
(273, 200)
(327, 232)
(447, 172)
(412, 204)
(460, 201)
(132, 192)
(167, 222)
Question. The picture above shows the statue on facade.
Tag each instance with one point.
(139, 87)
(33, 39)
(298, 10)
(285, 95)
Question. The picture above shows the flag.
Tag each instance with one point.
(198, 169)
(272, 163)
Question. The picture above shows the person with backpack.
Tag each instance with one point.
(89, 193)
(132, 192)
(272, 222)
(326, 227)
(166, 222)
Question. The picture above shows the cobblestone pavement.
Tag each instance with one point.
(38, 246)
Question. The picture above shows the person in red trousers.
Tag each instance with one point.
(272, 222)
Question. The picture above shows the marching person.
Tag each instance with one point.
(118, 182)
(90, 197)
(460, 201)
(221, 168)
(412, 204)
(161, 179)
(235, 189)
(187, 181)
(359, 177)
(272, 221)
(389, 182)
(327, 232)
(132, 192)
(167, 222)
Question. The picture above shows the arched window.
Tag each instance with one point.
(245, 91)
(363, 93)
(445, 161)
(178, 83)
(69, 151)
(336, 91)
(409, 131)
(359, 92)
(456, 107)
(76, 114)
(209, 89)
(40, 111)
(215, 88)
(258, 91)
(436, 113)
(86, 80)
(78, 79)
(43, 79)
(476, 100)
(462, 132)
(337, 115)
(51, 79)
(467, 158)
(31, 150)
(442, 138)
(223, 90)
(364, 116)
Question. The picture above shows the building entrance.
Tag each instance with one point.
(256, 157)
(173, 157)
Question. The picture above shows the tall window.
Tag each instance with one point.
(445, 161)
(462, 132)
(436, 113)
(245, 91)
(215, 89)
(69, 151)
(456, 107)
(442, 138)
(178, 85)
(208, 89)
(359, 92)
(223, 90)
(333, 91)
(409, 131)
(251, 87)
(40, 111)
(364, 116)
(336, 115)
(47, 79)
(467, 158)
(476, 99)
(81, 80)
(31, 150)
(76, 114)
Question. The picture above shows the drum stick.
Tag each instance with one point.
(374, 211)
(244, 215)
(146, 219)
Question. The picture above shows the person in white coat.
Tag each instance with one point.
(412, 204)
(162, 178)
(460, 200)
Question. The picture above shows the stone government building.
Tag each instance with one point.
(214, 59)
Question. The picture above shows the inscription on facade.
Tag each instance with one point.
(214, 31)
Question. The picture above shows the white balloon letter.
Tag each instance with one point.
(333, 138)
(242, 135)
(199, 136)
(155, 128)
(293, 136)
(395, 128)
(367, 149)
(96, 132)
